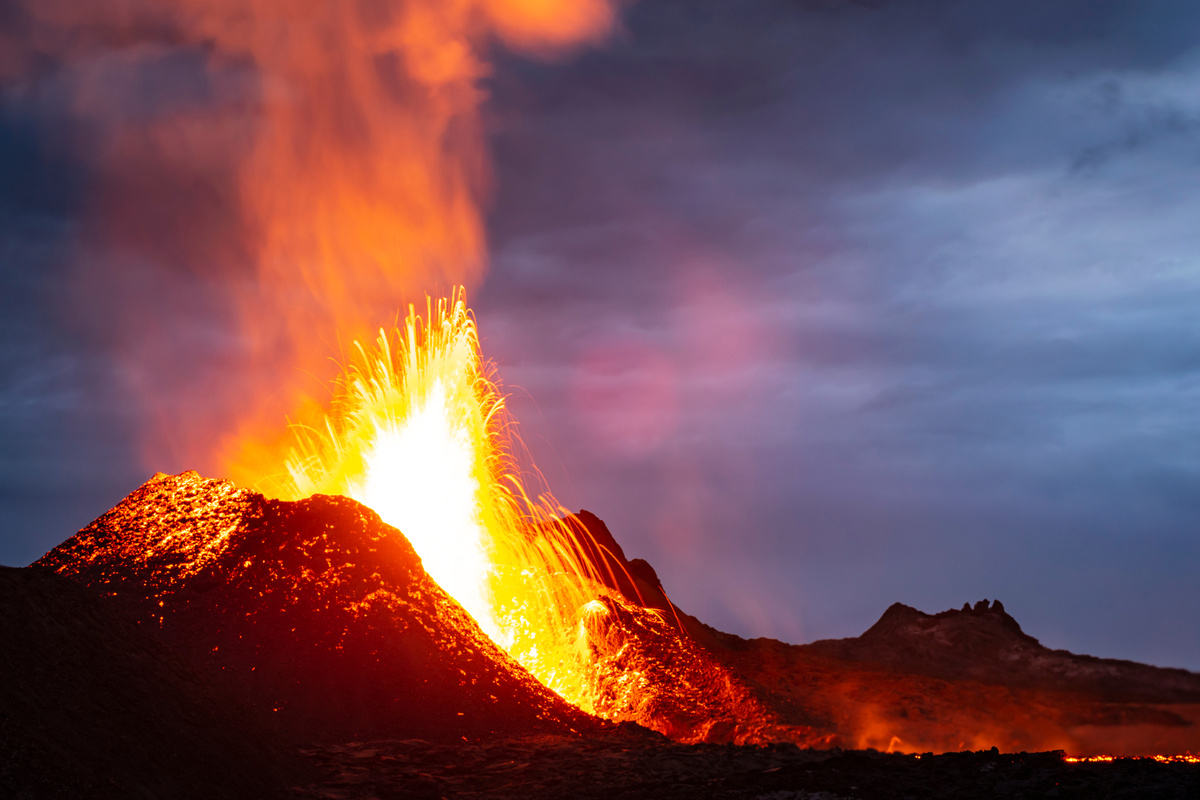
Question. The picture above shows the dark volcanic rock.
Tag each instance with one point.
(93, 706)
(985, 644)
(631, 768)
(314, 611)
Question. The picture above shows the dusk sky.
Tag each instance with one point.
(819, 305)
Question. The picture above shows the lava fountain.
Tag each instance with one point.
(418, 431)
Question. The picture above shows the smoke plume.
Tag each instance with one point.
(268, 180)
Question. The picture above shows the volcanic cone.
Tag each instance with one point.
(315, 611)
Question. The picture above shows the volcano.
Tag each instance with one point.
(312, 611)
(321, 616)
(314, 623)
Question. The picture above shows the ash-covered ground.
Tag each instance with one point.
(613, 767)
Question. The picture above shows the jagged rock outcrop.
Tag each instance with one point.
(983, 643)
(638, 582)
(635, 580)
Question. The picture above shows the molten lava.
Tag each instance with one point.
(1184, 758)
(418, 431)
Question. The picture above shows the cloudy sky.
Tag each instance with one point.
(820, 305)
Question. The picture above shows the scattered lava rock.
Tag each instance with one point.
(631, 767)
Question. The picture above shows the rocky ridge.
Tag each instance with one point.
(983, 643)
(960, 679)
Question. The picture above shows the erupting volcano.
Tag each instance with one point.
(413, 586)
(418, 432)
(368, 589)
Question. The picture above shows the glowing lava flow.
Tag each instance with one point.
(418, 432)
(1185, 758)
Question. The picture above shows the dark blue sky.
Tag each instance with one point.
(820, 305)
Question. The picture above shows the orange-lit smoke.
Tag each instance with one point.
(367, 180)
(360, 170)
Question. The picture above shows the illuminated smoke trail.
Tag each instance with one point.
(368, 178)
(348, 150)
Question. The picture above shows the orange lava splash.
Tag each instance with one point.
(418, 431)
